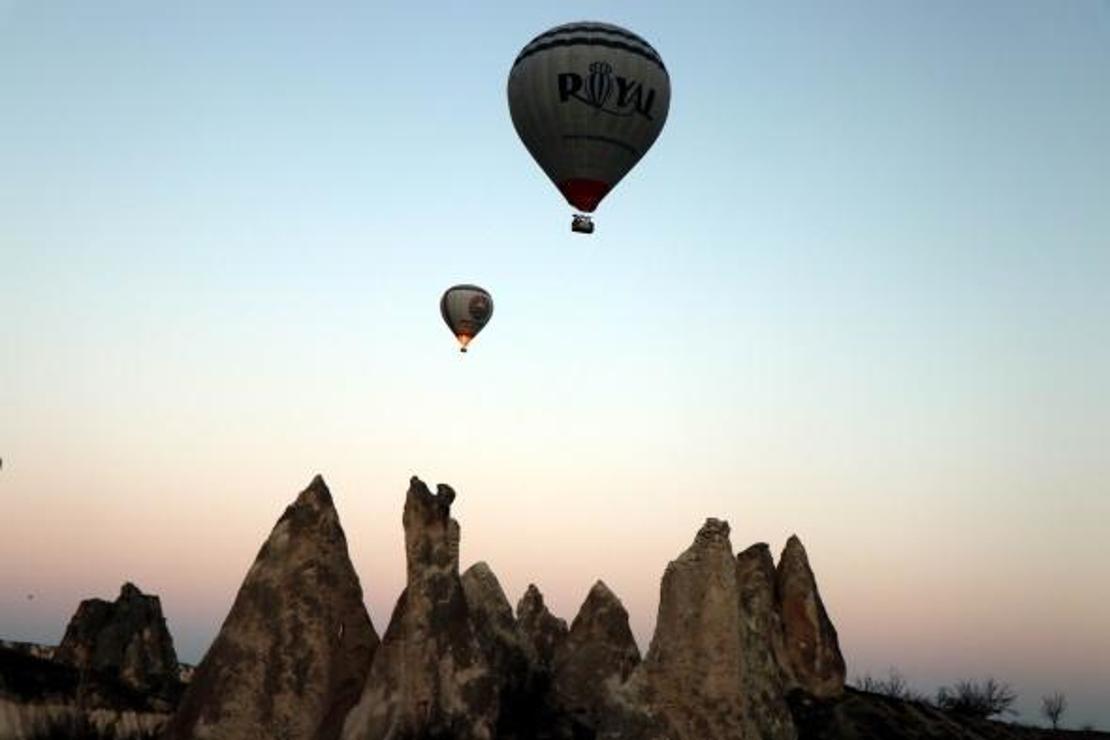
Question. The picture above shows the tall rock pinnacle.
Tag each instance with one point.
(430, 676)
(761, 642)
(691, 684)
(293, 653)
(811, 657)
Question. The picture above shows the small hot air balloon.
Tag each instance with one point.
(588, 100)
(466, 309)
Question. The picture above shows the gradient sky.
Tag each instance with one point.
(856, 291)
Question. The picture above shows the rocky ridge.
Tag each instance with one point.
(742, 647)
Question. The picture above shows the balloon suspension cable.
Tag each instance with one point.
(582, 224)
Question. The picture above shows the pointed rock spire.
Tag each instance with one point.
(292, 655)
(493, 618)
(598, 654)
(430, 676)
(691, 684)
(689, 681)
(761, 642)
(542, 631)
(506, 652)
(811, 657)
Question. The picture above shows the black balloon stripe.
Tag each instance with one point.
(587, 41)
(640, 46)
(606, 140)
(590, 28)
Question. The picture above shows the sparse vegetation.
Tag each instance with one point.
(974, 699)
(1053, 707)
(894, 686)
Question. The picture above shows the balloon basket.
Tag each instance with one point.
(582, 224)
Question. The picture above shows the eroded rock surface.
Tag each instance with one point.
(42, 698)
(692, 684)
(739, 645)
(291, 657)
(493, 619)
(811, 658)
(126, 638)
(761, 640)
(597, 656)
(430, 677)
(521, 691)
(543, 631)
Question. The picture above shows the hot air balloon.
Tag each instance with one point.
(466, 309)
(588, 100)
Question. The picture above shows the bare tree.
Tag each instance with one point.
(974, 699)
(894, 686)
(1053, 706)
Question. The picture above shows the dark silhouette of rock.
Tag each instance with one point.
(811, 658)
(126, 638)
(761, 640)
(542, 630)
(522, 689)
(430, 677)
(493, 619)
(597, 656)
(292, 655)
(115, 675)
(691, 684)
(741, 650)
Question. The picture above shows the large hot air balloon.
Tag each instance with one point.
(588, 100)
(466, 309)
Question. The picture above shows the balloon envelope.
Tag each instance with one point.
(588, 100)
(466, 309)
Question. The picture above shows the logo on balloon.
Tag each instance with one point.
(479, 308)
(596, 89)
(599, 85)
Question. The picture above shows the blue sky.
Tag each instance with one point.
(857, 290)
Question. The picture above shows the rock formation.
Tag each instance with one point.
(493, 620)
(811, 658)
(126, 639)
(430, 677)
(761, 641)
(114, 677)
(520, 689)
(542, 630)
(691, 685)
(742, 650)
(598, 655)
(292, 655)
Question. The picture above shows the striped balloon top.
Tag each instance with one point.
(587, 33)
